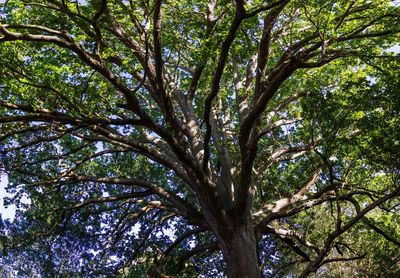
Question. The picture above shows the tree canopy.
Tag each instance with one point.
(200, 138)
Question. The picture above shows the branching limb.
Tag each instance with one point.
(317, 262)
(185, 208)
(263, 216)
(115, 198)
(282, 232)
(215, 83)
(182, 238)
(197, 250)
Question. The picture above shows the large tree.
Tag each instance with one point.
(201, 137)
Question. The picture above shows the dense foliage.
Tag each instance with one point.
(200, 138)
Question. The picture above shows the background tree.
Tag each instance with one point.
(197, 138)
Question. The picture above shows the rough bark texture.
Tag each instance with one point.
(239, 245)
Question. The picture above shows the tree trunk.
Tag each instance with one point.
(239, 247)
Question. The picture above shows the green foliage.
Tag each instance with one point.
(106, 137)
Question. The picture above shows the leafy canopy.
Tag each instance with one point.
(142, 131)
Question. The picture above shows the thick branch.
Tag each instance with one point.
(277, 207)
(191, 213)
(215, 83)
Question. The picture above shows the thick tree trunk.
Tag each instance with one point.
(239, 247)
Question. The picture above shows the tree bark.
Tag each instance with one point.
(239, 248)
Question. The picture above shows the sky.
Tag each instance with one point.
(5, 212)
